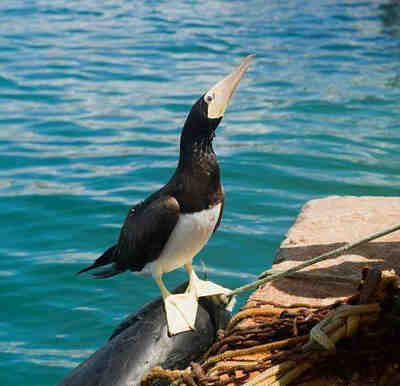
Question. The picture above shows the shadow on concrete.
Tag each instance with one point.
(315, 285)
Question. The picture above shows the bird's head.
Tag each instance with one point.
(208, 111)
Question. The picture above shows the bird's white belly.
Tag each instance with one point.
(190, 234)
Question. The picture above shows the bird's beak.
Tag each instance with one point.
(218, 96)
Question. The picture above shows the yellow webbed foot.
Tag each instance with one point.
(205, 287)
(181, 311)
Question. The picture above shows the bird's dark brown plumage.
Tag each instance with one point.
(194, 186)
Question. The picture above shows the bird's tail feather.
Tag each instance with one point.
(105, 259)
(108, 272)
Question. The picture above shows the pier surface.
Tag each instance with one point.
(323, 225)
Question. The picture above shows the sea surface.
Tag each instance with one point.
(93, 95)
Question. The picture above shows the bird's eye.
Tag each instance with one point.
(209, 98)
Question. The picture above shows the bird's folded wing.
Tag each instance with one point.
(146, 230)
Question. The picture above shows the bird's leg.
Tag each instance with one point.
(202, 287)
(164, 291)
(181, 309)
(192, 277)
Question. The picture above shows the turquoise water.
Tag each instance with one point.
(92, 98)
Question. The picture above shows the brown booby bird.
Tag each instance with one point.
(167, 229)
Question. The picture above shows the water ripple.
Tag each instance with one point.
(92, 99)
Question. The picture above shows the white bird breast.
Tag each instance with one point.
(190, 234)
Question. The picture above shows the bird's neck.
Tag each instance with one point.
(198, 156)
(198, 175)
(196, 150)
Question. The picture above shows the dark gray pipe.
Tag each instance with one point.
(141, 342)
